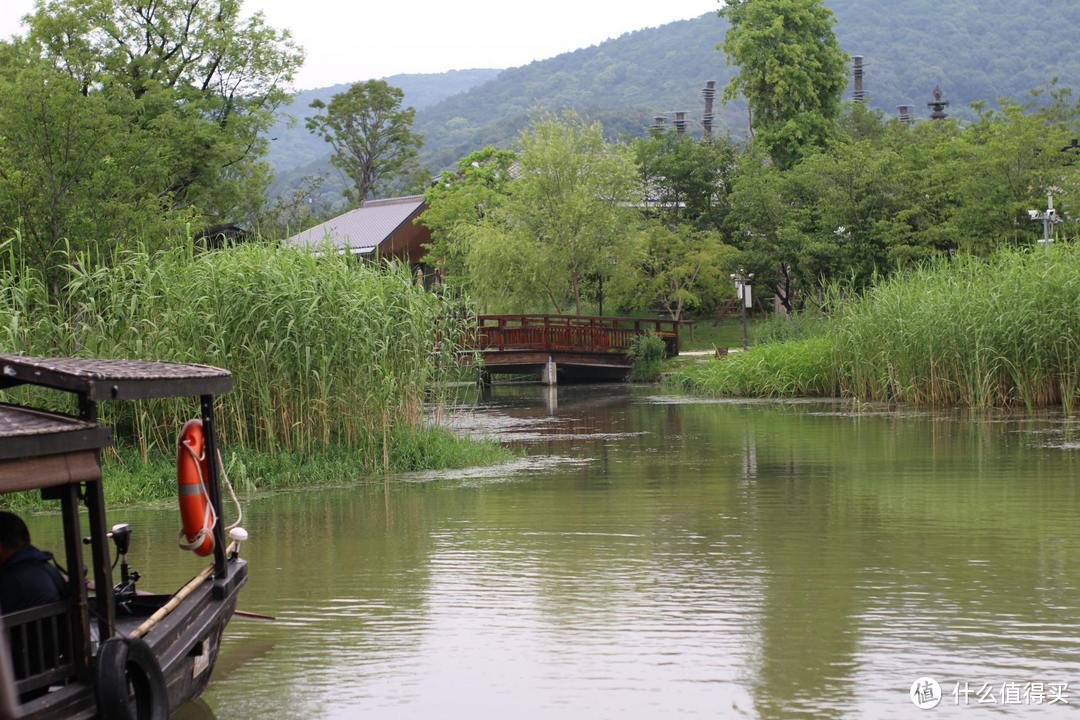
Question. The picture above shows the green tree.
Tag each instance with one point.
(122, 119)
(566, 223)
(302, 208)
(791, 71)
(203, 81)
(370, 133)
(968, 187)
(677, 269)
(685, 179)
(476, 186)
(70, 173)
(759, 226)
(1011, 158)
(838, 215)
(884, 195)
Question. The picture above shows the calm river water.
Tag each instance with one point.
(655, 556)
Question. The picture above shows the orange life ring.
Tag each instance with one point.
(196, 513)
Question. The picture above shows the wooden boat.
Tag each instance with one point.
(107, 651)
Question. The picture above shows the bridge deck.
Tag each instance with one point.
(582, 347)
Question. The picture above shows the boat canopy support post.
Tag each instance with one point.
(99, 540)
(221, 571)
(80, 621)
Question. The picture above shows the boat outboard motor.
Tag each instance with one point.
(125, 591)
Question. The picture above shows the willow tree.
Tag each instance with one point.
(677, 268)
(560, 234)
(791, 71)
(370, 132)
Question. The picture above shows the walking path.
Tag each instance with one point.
(703, 353)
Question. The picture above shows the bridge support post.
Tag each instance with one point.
(548, 376)
(551, 400)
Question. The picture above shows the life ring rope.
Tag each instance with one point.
(232, 493)
(209, 515)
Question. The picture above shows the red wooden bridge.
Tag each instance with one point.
(575, 347)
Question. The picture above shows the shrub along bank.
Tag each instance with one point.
(333, 358)
(1002, 332)
(647, 354)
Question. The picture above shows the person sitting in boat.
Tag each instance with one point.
(28, 577)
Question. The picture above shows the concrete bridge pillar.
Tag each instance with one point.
(548, 376)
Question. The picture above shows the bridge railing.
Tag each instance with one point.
(570, 333)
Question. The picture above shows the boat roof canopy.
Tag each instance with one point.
(40, 449)
(114, 379)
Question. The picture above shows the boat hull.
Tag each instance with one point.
(185, 643)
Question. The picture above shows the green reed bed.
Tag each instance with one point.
(328, 352)
(782, 369)
(969, 332)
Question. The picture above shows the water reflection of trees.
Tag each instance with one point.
(886, 531)
(759, 554)
(345, 572)
(860, 534)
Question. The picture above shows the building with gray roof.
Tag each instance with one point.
(378, 228)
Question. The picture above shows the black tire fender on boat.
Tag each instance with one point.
(130, 684)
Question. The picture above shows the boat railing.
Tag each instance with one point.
(42, 653)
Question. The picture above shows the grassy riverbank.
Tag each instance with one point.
(1003, 332)
(708, 334)
(785, 369)
(334, 358)
(129, 480)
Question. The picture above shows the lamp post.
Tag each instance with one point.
(743, 282)
(1048, 218)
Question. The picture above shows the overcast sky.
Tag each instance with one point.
(347, 40)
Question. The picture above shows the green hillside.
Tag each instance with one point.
(976, 50)
(294, 152)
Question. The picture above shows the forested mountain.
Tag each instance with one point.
(976, 50)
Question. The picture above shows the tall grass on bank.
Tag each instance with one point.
(781, 369)
(809, 323)
(327, 351)
(970, 332)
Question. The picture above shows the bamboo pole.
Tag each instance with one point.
(168, 607)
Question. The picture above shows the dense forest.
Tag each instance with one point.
(975, 50)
